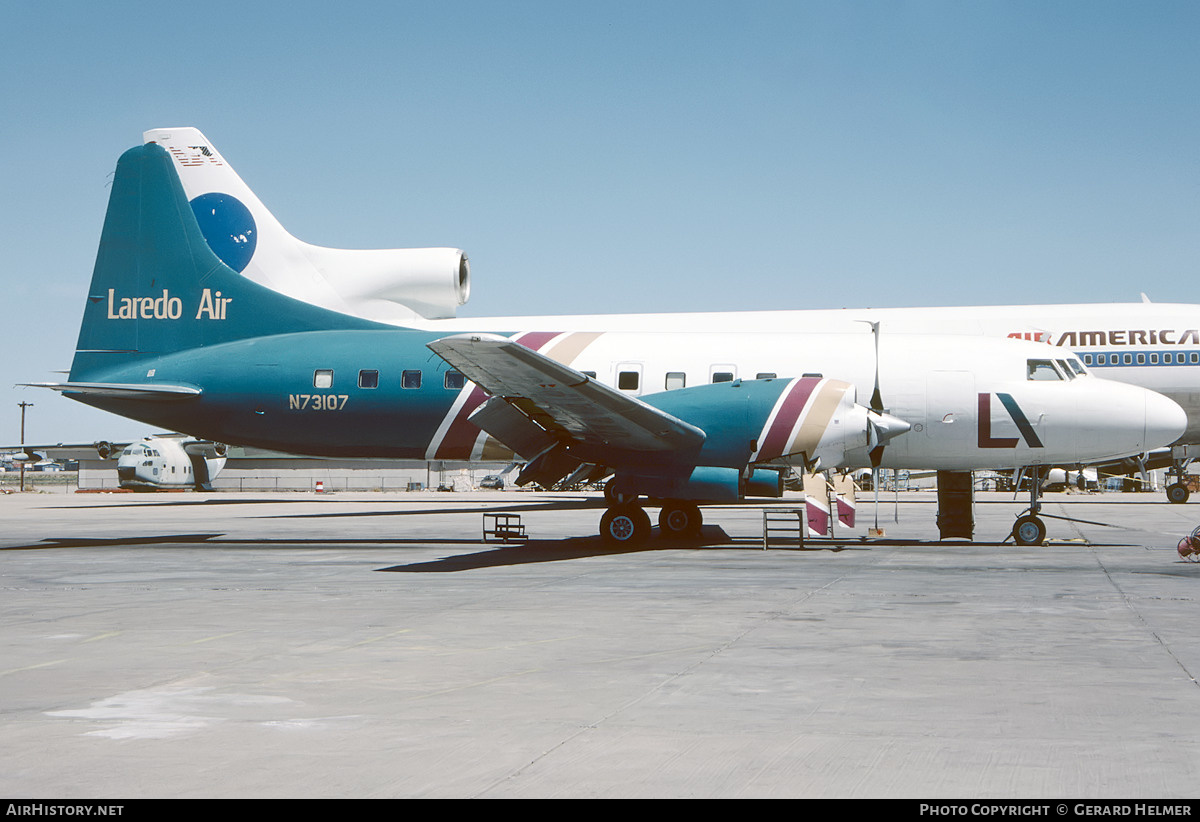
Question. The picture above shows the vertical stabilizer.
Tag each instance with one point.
(157, 287)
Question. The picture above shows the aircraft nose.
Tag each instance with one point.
(1165, 420)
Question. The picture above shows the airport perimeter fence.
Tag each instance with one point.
(44, 482)
(67, 482)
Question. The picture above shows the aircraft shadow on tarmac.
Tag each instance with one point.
(557, 550)
(490, 554)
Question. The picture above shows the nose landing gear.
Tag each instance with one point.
(1029, 528)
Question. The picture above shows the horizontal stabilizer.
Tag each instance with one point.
(123, 390)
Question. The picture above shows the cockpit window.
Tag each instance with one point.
(1042, 370)
(1065, 369)
(1077, 366)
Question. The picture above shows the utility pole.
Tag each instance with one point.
(23, 405)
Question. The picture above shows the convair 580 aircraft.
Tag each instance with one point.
(173, 336)
(1152, 345)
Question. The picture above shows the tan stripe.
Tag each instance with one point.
(571, 346)
(817, 420)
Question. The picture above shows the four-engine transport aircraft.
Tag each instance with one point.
(1154, 345)
(172, 336)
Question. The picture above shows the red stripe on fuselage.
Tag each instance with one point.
(462, 433)
(797, 398)
(534, 340)
(460, 438)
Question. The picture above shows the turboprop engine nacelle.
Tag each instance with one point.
(808, 423)
(818, 424)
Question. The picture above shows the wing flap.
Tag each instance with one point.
(567, 404)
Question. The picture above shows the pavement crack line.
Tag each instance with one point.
(1127, 600)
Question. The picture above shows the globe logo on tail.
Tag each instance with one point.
(228, 227)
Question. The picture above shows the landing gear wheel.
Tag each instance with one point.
(1029, 530)
(1178, 493)
(612, 497)
(624, 525)
(680, 519)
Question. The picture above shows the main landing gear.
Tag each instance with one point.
(1177, 491)
(1029, 528)
(626, 523)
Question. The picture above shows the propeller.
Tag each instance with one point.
(875, 451)
(883, 427)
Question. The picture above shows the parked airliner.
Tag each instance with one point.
(173, 336)
(1153, 345)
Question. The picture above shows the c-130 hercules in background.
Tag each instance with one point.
(173, 336)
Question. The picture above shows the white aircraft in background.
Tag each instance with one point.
(161, 462)
(1152, 345)
(24, 457)
(157, 463)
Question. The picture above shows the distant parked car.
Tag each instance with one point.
(493, 481)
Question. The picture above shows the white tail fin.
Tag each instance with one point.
(388, 285)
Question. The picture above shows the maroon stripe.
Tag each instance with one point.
(793, 405)
(845, 512)
(818, 518)
(534, 340)
(460, 437)
(462, 433)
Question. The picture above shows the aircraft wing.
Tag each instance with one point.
(569, 405)
(58, 451)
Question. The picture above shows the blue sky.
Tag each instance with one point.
(617, 157)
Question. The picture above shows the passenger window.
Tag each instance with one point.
(1127, 359)
(765, 375)
(627, 380)
(454, 380)
(1167, 359)
(675, 379)
(323, 378)
(1087, 358)
(722, 376)
(1141, 359)
(1042, 370)
(1194, 358)
(368, 379)
(410, 379)
(1154, 359)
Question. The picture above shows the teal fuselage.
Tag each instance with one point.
(305, 393)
